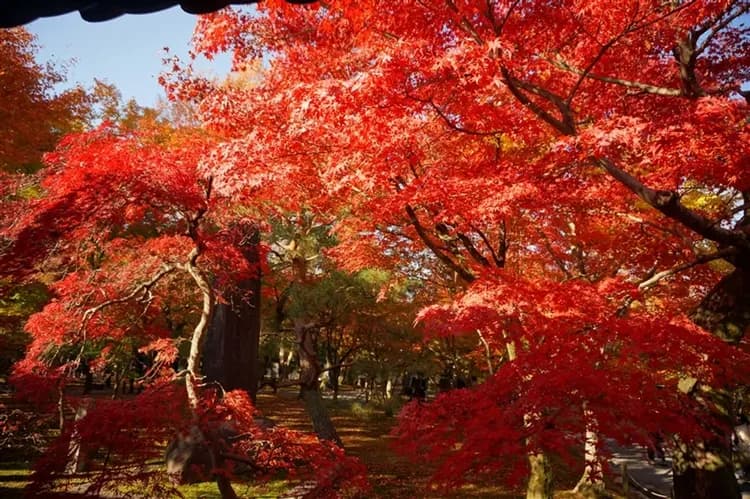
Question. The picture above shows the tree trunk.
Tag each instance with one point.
(705, 471)
(285, 363)
(321, 421)
(309, 373)
(725, 310)
(193, 377)
(591, 483)
(333, 377)
(540, 477)
(540, 471)
(78, 452)
(230, 356)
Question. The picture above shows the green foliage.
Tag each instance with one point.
(24, 300)
(15, 307)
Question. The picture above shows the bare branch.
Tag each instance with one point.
(644, 87)
(144, 288)
(651, 281)
(473, 251)
(466, 24)
(566, 125)
(668, 203)
(590, 66)
(558, 261)
(456, 127)
(498, 259)
(465, 274)
(507, 16)
(718, 25)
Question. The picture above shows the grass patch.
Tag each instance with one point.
(209, 490)
(371, 411)
(14, 476)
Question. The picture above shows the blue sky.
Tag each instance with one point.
(126, 51)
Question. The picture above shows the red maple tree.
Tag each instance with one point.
(552, 156)
(141, 239)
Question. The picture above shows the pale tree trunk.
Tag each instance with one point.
(309, 393)
(285, 362)
(591, 483)
(61, 406)
(540, 477)
(78, 453)
(488, 353)
(334, 374)
(540, 471)
(192, 377)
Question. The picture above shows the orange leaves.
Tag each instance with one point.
(33, 115)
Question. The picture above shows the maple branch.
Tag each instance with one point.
(451, 124)
(645, 87)
(507, 16)
(444, 233)
(566, 125)
(498, 259)
(668, 203)
(651, 281)
(634, 26)
(466, 275)
(473, 251)
(590, 66)
(558, 261)
(456, 127)
(491, 16)
(142, 288)
(466, 24)
(192, 229)
(715, 27)
(196, 341)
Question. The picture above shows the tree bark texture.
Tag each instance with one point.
(230, 356)
(309, 373)
(193, 376)
(706, 471)
(540, 477)
(725, 311)
(78, 453)
(591, 483)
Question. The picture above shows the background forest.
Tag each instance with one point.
(530, 219)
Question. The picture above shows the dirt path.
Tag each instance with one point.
(366, 436)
